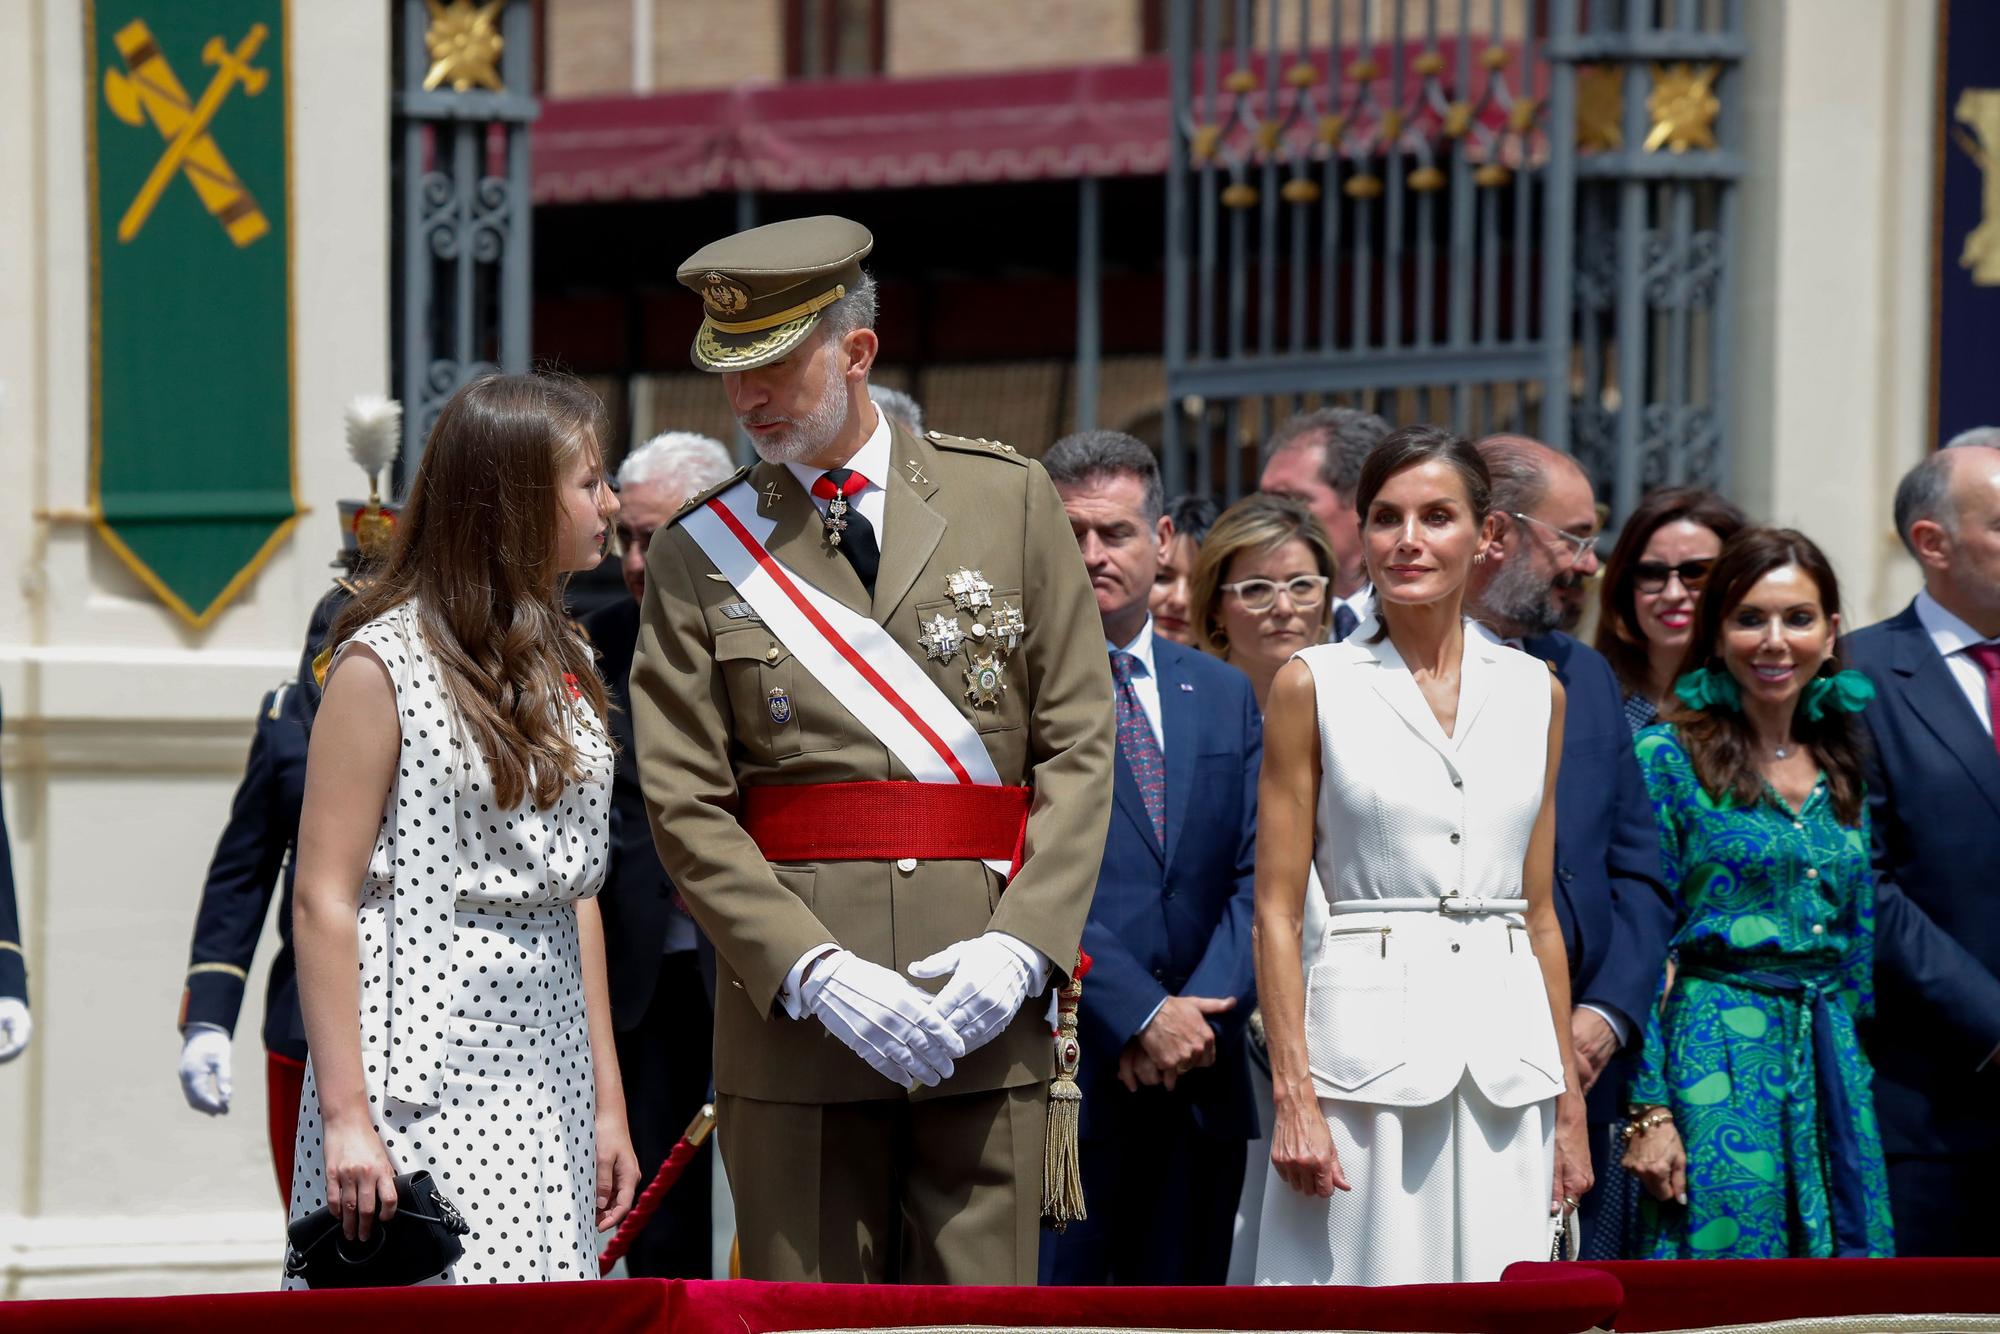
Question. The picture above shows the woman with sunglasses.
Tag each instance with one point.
(1650, 588)
(1260, 587)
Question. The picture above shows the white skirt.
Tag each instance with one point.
(1452, 1192)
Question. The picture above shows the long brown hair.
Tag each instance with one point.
(475, 557)
(1618, 635)
(1719, 740)
(1254, 525)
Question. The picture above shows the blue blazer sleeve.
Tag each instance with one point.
(13, 962)
(242, 876)
(1915, 952)
(1628, 975)
(1229, 968)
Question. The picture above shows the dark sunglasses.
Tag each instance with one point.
(1650, 576)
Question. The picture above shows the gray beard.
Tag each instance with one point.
(809, 435)
(1520, 599)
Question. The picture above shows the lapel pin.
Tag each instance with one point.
(917, 477)
(1185, 686)
(772, 495)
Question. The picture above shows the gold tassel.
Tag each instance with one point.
(1062, 1158)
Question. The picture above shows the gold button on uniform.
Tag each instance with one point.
(771, 654)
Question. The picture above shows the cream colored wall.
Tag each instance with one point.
(125, 731)
(1834, 278)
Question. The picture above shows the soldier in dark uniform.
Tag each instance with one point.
(15, 1023)
(257, 845)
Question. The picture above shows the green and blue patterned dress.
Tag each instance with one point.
(1756, 1052)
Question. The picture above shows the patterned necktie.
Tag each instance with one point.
(1344, 621)
(1139, 746)
(857, 539)
(1988, 658)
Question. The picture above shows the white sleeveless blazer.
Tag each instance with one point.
(1402, 1005)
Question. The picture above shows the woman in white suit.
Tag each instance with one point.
(1428, 1119)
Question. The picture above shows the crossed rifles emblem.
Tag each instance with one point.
(147, 88)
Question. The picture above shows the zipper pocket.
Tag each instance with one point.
(1364, 930)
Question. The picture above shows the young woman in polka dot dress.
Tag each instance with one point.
(451, 958)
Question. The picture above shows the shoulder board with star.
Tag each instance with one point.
(992, 449)
(710, 494)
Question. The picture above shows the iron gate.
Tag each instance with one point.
(1496, 214)
(462, 284)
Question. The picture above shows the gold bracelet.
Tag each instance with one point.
(1659, 1116)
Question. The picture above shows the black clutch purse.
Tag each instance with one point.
(419, 1243)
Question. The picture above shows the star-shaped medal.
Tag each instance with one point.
(941, 637)
(969, 589)
(983, 686)
(1008, 626)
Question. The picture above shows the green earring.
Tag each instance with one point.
(1710, 688)
(1843, 692)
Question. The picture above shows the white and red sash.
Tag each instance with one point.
(873, 677)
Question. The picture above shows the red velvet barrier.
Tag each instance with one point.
(1560, 1303)
(632, 1305)
(1554, 1304)
(1699, 1294)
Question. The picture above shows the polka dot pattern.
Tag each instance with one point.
(474, 1042)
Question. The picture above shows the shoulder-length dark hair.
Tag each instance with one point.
(475, 557)
(1719, 740)
(1618, 634)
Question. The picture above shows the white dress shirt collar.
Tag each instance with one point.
(1947, 630)
(1141, 646)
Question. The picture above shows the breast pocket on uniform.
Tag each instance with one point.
(1356, 1022)
(763, 680)
(974, 655)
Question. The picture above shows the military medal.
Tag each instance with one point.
(941, 637)
(835, 519)
(781, 706)
(983, 686)
(969, 589)
(1007, 626)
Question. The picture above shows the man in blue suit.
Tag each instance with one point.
(1934, 801)
(1167, 1109)
(1615, 908)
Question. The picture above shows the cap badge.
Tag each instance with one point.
(724, 295)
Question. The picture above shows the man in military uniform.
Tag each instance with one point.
(875, 725)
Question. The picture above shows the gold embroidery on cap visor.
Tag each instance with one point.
(740, 352)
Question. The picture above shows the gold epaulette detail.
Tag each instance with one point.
(710, 494)
(975, 445)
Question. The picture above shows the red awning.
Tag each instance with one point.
(1104, 120)
(866, 134)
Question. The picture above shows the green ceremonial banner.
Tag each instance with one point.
(192, 478)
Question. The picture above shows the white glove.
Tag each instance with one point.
(205, 1069)
(887, 1022)
(15, 1027)
(989, 980)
